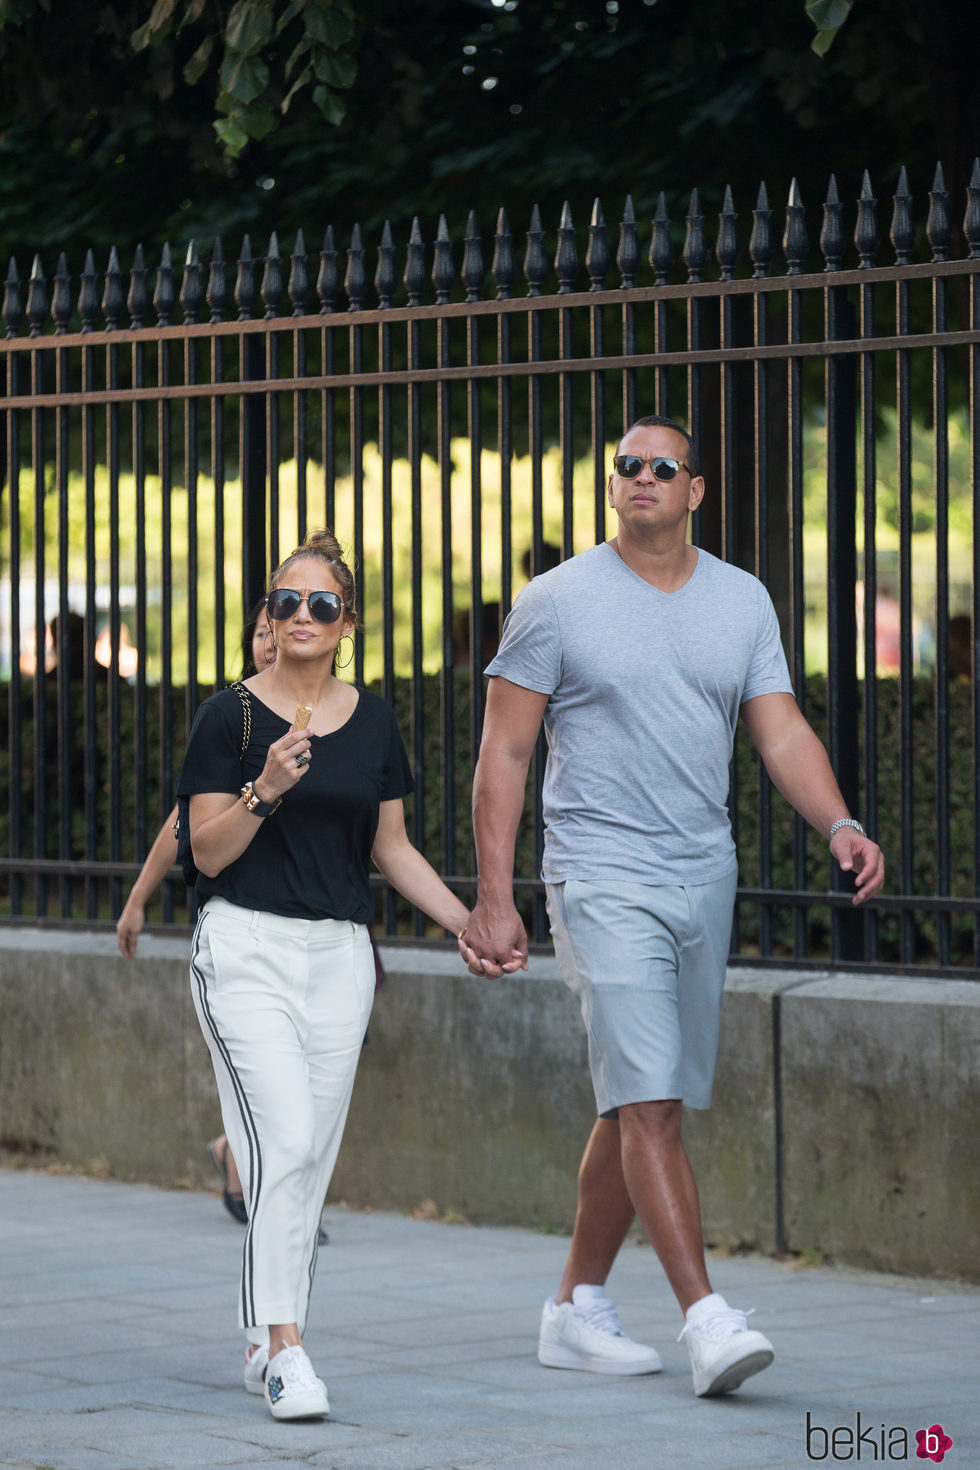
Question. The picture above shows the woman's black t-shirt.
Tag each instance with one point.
(311, 858)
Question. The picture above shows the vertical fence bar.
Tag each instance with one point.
(940, 420)
(40, 626)
(414, 283)
(869, 457)
(67, 675)
(11, 388)
(842, 686)
(354, 284)
(797, 581)
(113, 731)
(974, 412)
(907, 940)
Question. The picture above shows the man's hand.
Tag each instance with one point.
(494, 942)
(862, 857)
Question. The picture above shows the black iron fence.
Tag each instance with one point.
(152, 473)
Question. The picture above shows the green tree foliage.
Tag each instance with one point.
(254, 118)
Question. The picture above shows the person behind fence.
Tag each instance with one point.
(282, 970)
(639, 655)
(159, 860)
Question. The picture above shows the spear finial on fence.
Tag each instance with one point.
(326, 281)
(385, 278)
(355, 279)
(866, 229)
(902, 232)
(795, 243)
(272, 280)
(37, 299)
(628, 250)
(695, 252)
(164, 297)
(761, 244)
(245, 282)
(443, 272)
(113, 301)
(414, 276)
(726, 245)
(502, 267)
(137, 299)
(473, 269)
(832, 229)
(597, 259)
(938, 230)
(535, 260)
(192, 286)
(217, 292)
(88, 296)
(971, 219)
(661, 249)
(566, 256)
(13, 311)
(61, 298)
(299, 276)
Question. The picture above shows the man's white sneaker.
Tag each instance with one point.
(585, 1333)
(724, 1351)
(292, 1389)
(256, 1363)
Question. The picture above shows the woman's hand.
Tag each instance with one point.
(286, 763)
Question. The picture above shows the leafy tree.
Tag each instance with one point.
(451, 107)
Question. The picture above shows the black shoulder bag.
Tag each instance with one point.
(182, 826)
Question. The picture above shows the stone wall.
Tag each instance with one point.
(845, 1117)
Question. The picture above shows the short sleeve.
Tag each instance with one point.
(212, 761)
(396, 779)
(767, 673)
(530, 652)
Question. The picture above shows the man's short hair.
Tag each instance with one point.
(661, 421)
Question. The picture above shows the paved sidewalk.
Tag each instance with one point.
(120, 1351)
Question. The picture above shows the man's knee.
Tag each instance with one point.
(658, 1120)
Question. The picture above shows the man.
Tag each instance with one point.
(639, 655)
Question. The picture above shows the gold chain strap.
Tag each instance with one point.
(242, 693)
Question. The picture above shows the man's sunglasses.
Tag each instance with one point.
(630, 465)
(284, 602)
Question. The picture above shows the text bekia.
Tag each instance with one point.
(860, 1441)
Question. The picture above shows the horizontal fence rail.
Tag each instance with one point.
(458, 435)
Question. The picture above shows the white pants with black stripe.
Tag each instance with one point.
(284, 1005)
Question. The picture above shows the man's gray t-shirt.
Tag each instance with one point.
(644, 691)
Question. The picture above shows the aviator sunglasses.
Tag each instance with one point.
(630, 465)
(284, 602)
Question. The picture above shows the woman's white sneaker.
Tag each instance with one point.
(256, 1362)
(724, 1351)
(292, 1389)
(586, 1333)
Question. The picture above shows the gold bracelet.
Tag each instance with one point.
(462, 931)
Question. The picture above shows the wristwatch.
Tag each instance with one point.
(846, 822)
(255, 804)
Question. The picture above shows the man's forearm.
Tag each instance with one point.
(800, 770)
(498, 802)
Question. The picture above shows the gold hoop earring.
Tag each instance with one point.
(336, 662)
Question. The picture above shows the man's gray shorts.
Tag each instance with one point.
(648, 965)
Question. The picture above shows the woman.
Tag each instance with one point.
(282, 971)
(159, 860)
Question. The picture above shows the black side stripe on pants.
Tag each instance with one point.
(248, 1122)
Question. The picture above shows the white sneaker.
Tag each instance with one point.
(585, 1333)
(292, 1389)
(256, 1363)
(724, 1351)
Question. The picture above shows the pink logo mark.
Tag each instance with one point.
(933, 1443)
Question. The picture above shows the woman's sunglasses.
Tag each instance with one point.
(284, 602)
(630, 465)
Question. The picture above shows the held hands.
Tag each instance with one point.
(857, 854)
(494, 942)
